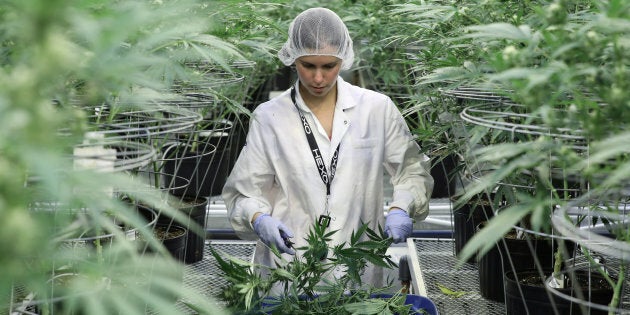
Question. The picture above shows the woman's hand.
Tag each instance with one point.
(398, 225)
(273, 233)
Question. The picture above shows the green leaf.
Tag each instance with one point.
(534, 76)
(371, 245)
(449, 292)
(354, 238)
(282, 273)
(607, 148)
(239, 262)
(369, 306)
(378, 261)
(503, 31)
(496, 228)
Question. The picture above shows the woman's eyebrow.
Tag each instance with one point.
(306, 63)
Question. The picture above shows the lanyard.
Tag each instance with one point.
(319, 161)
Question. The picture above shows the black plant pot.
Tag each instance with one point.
(528, 294)
(443, 173)
(185, 173)
(195, 242)
(173, 237)
(237, 139)
(511, 254)
(467, 217)
(206, 170)
(61, 293)
(195, 210)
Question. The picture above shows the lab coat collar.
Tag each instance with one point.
(341, 122)
(344, 99)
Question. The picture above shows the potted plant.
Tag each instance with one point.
(307, 281)
(468, 216)
(174, 238)
(70, 54)
(537, 62)
(525, 292)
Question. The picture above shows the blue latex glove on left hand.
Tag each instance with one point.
(273, 233)
(398, 225)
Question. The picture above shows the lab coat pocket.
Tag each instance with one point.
(364, 143)
(364, 151)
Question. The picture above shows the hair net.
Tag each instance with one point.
(318, 31)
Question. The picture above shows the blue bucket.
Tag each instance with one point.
(417, 303)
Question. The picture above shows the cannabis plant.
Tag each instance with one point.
(320, 279)
(565, 74)
(64, 62)
(564, 67)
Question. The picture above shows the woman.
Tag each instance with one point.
(316, 152)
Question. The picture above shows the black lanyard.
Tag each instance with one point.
(319, 161)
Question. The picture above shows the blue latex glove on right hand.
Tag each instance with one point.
(273, 233)
(398, 225)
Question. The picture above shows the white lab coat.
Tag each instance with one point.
(276, 174)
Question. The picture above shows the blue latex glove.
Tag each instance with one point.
(273, 233)
(398, 225)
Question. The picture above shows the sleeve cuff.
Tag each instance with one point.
(402, 200)
(405, 200)
(248, 207)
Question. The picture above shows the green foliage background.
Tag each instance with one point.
(565, 62)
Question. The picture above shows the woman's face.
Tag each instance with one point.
(318, 74)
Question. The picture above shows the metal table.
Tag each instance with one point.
(205, 277)
(433, 264)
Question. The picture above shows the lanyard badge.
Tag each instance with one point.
(324, 220)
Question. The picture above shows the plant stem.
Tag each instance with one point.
(617, 288)
(557, 264)
(99, 250)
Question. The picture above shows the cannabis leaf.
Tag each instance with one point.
(451, 293)
(305, 282)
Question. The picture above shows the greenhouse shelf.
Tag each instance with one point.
(433, 264)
